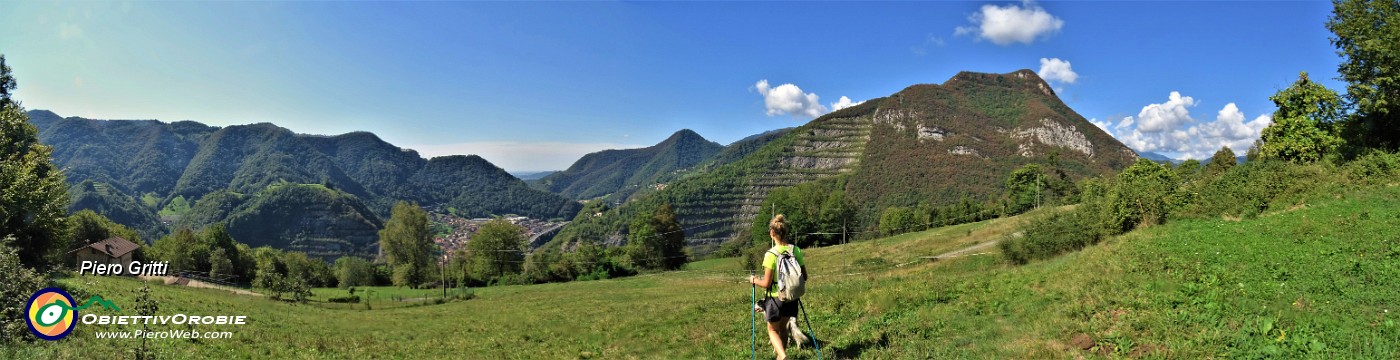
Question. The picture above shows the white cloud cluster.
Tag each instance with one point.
(1012, 23)
(1164, 116)
(1055, 69)
(844, 102)
(788, 99)
(1169, 127)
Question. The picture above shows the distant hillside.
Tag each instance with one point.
(617, 174)
(176, 163)
(934, 144)
(118, 206)
(310, 218)
(1158, 157)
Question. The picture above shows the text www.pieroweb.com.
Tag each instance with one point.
(164, 334)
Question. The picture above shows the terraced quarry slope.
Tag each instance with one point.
(1318, 281)
(927, 143)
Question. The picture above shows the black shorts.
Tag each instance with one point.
(774, 309)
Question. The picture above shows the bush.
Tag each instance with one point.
(19, 284)
(1049, 236)
(1250, 189)
(1143, 194)
(1375, 167)
(352, 299)
(464, 293)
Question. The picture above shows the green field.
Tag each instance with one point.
(1320, 280)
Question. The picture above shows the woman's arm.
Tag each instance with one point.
(765, 281)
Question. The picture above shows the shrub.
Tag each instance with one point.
(19, 283)
(1052, 235)
(1143, 194)
(1250, 189)
(1374, 167)
(351, 299)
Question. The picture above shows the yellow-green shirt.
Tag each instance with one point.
(770, 262)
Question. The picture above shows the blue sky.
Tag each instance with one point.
(533, 86)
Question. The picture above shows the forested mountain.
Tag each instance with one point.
(617, 174)
(927, 144)
(310, 218)
(167, 166)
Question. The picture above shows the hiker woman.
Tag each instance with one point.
(777, 312)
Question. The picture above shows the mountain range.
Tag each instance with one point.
(136, 171)
(926, 144)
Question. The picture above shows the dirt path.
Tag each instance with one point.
(967, 251)
(171, 280)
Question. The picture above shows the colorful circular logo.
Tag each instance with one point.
(50, 314)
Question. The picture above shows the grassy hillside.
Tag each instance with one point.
(1317, 280)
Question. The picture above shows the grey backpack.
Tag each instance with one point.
(792, 280)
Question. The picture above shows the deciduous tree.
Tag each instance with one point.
(1303, 124)
(407, 244)
(33, 195)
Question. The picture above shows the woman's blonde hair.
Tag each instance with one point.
(779, 227)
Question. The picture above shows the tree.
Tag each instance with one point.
(353, 271)
(1367, 36)
(407, 244)
(497, 249)
(179, 249)
(899, 220)
(217, 238)
(34, 206)
(1186, 170)
(269, 270)
(219, 264)
(86, 227)
(1223, 160)
(1025, 188)
(656, 240)
(1303, 124)
(7, 83)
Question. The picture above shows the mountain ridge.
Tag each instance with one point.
(925, 144)
(150, 159)
(618, 173)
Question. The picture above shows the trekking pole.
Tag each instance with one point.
(753, 330)
(802, 307)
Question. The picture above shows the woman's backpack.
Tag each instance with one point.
(792, 278)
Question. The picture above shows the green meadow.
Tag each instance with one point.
(1317, 280)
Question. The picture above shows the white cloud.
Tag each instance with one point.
(1103, 125)
(843, 103)
(522, 156)
(1010, 24)
(1167, 115)
(788, 99)
(1057, 70)
(1168, 127)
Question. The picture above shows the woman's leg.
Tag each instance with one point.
(777, 338)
